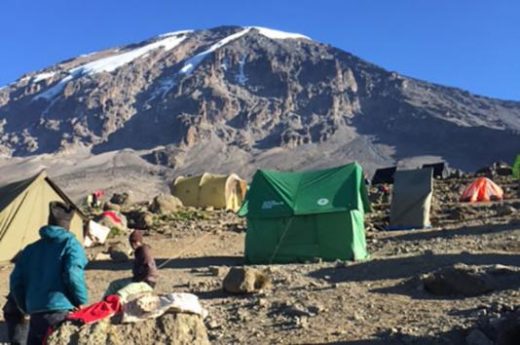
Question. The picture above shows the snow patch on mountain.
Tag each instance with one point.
(191, 64)
(42, 76)
(241, 78)
(111, 63)
(279, 35)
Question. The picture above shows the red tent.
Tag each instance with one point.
(482, 189)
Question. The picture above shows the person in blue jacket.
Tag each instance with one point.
(48, 280)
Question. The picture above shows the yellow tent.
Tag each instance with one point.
(24, 209)
(218, 191)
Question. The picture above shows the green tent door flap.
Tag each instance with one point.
(300, 216)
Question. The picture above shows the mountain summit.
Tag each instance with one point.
(245, 97)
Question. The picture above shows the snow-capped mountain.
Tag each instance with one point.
(242, 97)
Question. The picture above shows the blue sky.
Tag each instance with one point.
(470, 44)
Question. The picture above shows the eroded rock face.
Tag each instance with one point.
(250, 93)
(167, 329)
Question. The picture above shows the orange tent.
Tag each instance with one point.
(482, 189)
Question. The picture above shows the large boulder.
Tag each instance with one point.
(164, 203)
(242, 280)
(466, 280)
(168, 329)
(119, 252)
(140, 219)
(122, 198)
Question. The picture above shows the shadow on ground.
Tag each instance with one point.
(386, 338)
(408, 266)
(447, 234)
(180, 263)
(3, 332)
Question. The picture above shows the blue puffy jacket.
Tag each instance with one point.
(49, 273)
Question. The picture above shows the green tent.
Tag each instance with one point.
(297, 216)
(516, 167)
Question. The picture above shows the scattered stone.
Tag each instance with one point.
(164, 203)
(505, 210)
(102, 257)
(212, 324)
(119, 252)
(217, 271)
(302, 322)
(262, 302)
(246, 280)
(108, 206)
(122, 198)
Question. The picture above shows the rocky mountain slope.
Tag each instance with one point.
(246, 97)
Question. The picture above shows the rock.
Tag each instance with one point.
(102, 257)
(459, 279)
(217, 271)
(245, 280)
(119, 252)
(302, 322)
(164, 203)
(122, 198)
(262, 302)
(505, 210)
(167, 329)
(140, 219)
(297, 310)
(477, 337)
(212, 325)
(108, 206)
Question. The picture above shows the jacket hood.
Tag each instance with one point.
(55, 233)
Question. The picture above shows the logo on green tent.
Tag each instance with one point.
(323, 202)
(269, 204)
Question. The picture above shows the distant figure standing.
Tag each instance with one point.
(48, 279)
(144, 268)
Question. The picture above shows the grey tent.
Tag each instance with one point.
(384, 175)
(411, 199)
(440, 170)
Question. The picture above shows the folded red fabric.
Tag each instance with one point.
(110, 306)
(112, 215)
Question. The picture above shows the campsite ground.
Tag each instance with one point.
(379, 301)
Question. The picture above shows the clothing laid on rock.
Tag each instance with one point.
(98, 311)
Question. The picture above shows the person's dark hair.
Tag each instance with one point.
(60, 214)
(136, 236)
